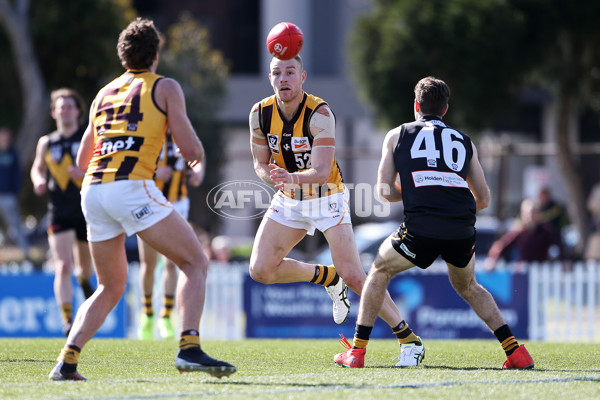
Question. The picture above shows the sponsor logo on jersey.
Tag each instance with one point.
(300, 144)
(273, 143)
(438, 178)
(111, 145)
(142, 212)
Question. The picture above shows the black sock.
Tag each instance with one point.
(363, 332)
(506, 339)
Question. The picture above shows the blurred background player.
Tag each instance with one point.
(120, 150)
(53, 170)
(10, 187)
(172, 176)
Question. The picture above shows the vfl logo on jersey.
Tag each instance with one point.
(273, 143)
(432, 162)
(112, 145)
(300, 144)
(56, 152)
(142, 212)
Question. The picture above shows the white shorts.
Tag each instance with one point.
(321, 213)
(123, 206)
(183, 207)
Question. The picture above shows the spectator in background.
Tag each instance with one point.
(10, 186)
(532, 240)
(53, 171)
(551, 211)
(592, 248)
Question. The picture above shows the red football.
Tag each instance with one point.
(285, 41)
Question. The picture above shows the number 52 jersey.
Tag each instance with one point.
(433, 163)
(129, 130)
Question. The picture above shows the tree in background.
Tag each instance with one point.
(202, 73)
(486, 51)
(54, 44)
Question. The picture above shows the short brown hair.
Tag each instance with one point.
(138, 44)
(432, 94)
(68, 92)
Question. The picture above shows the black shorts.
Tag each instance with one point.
(423, 251)
(61, 224)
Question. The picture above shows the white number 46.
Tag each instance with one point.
(424, 147)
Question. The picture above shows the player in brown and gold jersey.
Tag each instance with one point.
(172, 177)
(297, 131)
(119, 149)
(54, 171)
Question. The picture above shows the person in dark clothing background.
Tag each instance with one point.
(533, 240)
(10, 187)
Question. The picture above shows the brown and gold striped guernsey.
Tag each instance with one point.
(291, 142)
(175, 188)
(129, 130)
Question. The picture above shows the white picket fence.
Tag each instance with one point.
(223, 316)
(564, 306)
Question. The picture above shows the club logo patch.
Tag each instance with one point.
(273, 143)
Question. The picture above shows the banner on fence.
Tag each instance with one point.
(427, 302)
(28, 308)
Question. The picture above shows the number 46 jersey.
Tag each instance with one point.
(433, 162)
(129, 129)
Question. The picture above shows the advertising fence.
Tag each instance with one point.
(542, 302)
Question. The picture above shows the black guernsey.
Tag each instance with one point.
(433, 162)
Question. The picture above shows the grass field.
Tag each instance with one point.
(300, 369)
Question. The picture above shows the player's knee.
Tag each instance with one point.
(111, 294)
(261, 275)
(195, 261)
(354, 282)
(467, 289)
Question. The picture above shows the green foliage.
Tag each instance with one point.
(10, 100)
(75, 44)
(476, 46)
(202, 73)
(300, 369)
(567, 40)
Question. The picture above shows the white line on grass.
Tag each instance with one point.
(326, 388)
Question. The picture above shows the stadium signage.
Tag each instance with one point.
(426, 300)
(28, 308)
